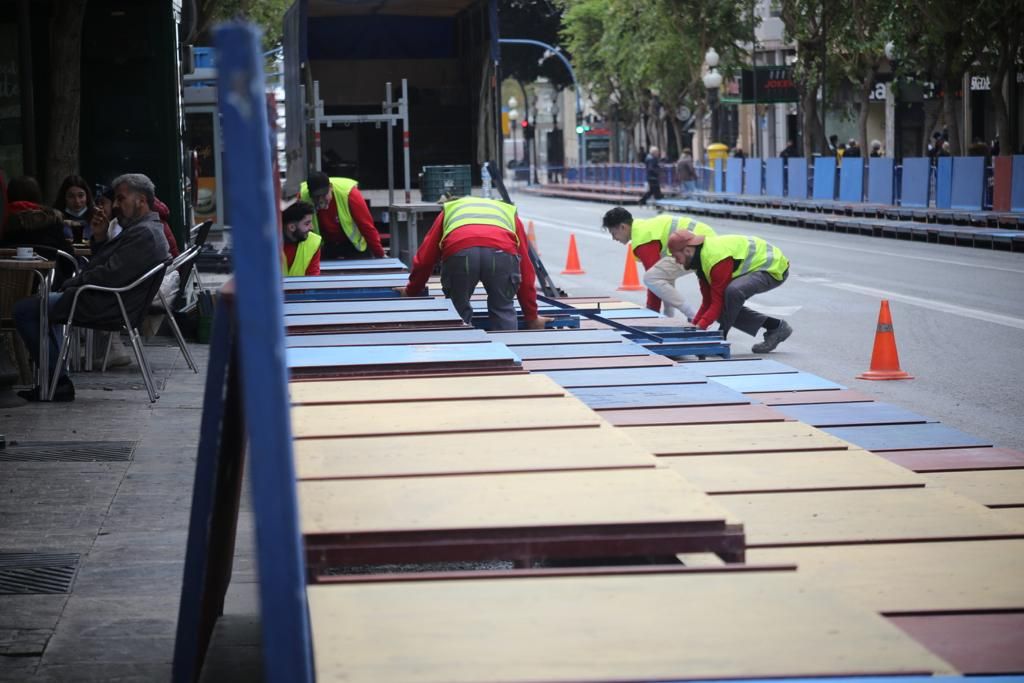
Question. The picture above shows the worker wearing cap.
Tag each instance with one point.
(342, 218)
(300, 253)
(480, 240)
(730, 270)
(649, 238)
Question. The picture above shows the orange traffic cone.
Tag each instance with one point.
(532, 236)
(885, 361)
(630, 279)
(572, 261)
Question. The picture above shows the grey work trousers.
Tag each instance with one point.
(735, 313)
(497, 270)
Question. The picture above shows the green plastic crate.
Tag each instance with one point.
(437, 180)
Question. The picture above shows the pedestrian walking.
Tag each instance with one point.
(686, 172)
(653, 170)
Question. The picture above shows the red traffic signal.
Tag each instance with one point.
(524, 124)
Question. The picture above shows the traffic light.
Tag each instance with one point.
(527, 131)
(582, 128)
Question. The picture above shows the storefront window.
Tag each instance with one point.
(11, 162)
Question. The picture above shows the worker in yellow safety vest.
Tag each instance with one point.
(649, 240)
(300, 253)
(730, 270)
(342, 218)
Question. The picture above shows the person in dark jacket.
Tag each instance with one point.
(653, 176)
(30, 224)
(137, 249)
(75, 202)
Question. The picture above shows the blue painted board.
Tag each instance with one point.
(796, 188)
(906, 437)
(774, 177)
(368, 306)
(944, 183)
(849, 414)
(360, 277)
(851, 180)
(968, 183)
(580, 351)
(880, 172)
(720, 368)
(734, 176)
(622, 377)
(658, 396)
(1017, 184)
(753, 176)
(719, 173)
(412, 354)
(824, 178)
(390, 337)
(790, 381)
(629, 313)
(535, 337)
(915, 182)
(443, 318)
(385, 286)
(344, 265)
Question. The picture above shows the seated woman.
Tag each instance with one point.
(75, 202)
(29, 223)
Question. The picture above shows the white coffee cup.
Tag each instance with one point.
(24, 252)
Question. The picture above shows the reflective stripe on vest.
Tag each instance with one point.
(304, 253)
(478, 211)
(749, 253)
(659, 228)
(340, 189)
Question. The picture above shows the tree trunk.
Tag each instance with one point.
(809, 111)
(867, 85)
(949, 87)
(1002, 115)
(65, 93)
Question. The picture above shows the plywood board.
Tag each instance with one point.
(787, 381)
(658, 396)
(429, 417)
(1012, 516)
(384, 283)
(988, 487)
(588, 324)
(494, 501)
(847, 414)
(390, 338)
(422, 389)
(338, 277)
(334, 321)
(797, 471)
(783, 398)
(533, 337)
(950, 459)
(753, 366)
(367, 306)
(651, 360)
(534, 450)
(864, 516)
(600, 628)
(580, 350)
(973, 643)
(691, 415)
(742, 438)
(620, 377)
(904, 437)
(352, 357)
(913, 577)
(363, 265)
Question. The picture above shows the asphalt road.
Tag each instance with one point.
(958, 312)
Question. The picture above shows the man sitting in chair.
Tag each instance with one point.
(140, 247)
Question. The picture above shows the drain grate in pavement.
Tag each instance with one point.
(26, 573)
(69, 451)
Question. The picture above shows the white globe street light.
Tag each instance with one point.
(712, 81)
(711, 57)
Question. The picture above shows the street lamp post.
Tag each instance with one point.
(713, 81)
(513, 116)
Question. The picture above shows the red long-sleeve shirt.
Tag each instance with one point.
(649, 254)
(330, 224)
(289, 254)
(713, 293)
(466, 236)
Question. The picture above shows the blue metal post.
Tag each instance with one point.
(287, 652)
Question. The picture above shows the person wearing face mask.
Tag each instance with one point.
(342, 218)
(75, 202)
(300, 253)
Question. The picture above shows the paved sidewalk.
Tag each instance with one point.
(128, 523)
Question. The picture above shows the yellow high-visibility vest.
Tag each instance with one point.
(478, 211)
(748, 253)
(661, 227)
(304, 253)
(340, 188)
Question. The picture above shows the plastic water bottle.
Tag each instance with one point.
(485, 180)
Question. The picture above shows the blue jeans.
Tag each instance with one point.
(26, 320)
(689, 186)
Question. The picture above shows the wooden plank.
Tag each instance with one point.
(789, 381)
(652, 360)
(658, 396)
(620, 377)
(352, 357)
(621, 348)
(864, 516)
(535, 450)
(847, 414)
(914, 577)
(367, 306)
(752, 366)
(974, 644)
(429, 417)
(1012, 516)
(382, 282)
(797, 471)
(390, 337)
(422, 389)
(707, 625)
(357, 266)
(356, 321)
(588, 324)
(905, 437)
(762, 437)
(339, 277)
(783, 398)
(691, 415)
(952, 459)
(989, 487)
(532, 337)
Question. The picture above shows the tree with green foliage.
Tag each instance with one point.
(806, 23)
(268, 14)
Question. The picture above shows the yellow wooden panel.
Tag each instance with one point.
(1012, 516)
(914, 577)
(988, 487)
(627, 496)
(423, 389)
(524, 450)
(861, 516)
(733, 438)
(793, 471)
(601, 628)
(440, 416)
